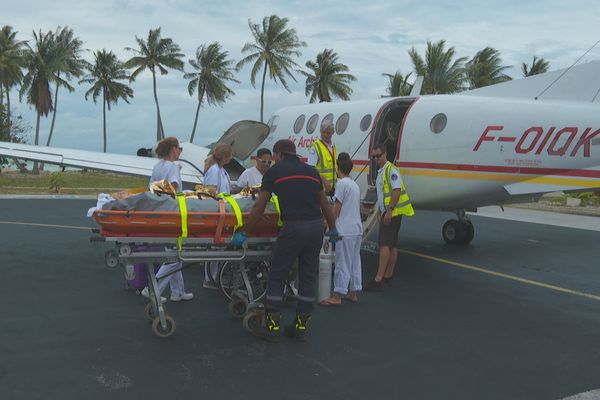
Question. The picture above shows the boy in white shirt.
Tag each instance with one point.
(348, 271)
(253, 176)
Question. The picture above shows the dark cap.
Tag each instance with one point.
(285, 146)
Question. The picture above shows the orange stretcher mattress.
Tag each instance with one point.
(219, 226)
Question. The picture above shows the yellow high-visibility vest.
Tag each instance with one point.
(326, 164)
(403, 207)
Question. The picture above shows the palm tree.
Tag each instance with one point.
(213, 72)
(155, 53)
(485, 69)
(11, 61)
(538, 66)
(42, 63)
(273, 48)
(441, 74)
(327, 77)
(104, 75)
(397, 84)
(68, 48)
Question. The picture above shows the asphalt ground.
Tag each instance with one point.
(515, 315)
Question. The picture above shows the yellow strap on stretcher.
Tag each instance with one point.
(183, 212)
(236, 209)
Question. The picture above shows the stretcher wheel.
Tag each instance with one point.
(237, 308)
(158, 329)
(125, 250)
(253, 321)
(112, 259)
(149, 312)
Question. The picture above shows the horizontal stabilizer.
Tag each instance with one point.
(580, 83)
(118, 163)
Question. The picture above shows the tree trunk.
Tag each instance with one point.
(104, 117)
(197, 112)
(262, 92)
(53, 115)
(35, 169)
(9, 121)
(160, 132)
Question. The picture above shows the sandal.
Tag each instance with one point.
(351, 298)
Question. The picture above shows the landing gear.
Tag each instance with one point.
(459, 231)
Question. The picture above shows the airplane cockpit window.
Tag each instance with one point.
(342, 123)
(328, 119)
(311, 125)
(299, 124)
(365, 122)
(438, 123)
(273, 123)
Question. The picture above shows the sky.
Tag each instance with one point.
(370, 37)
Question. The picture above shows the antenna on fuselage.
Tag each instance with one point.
(567, 70)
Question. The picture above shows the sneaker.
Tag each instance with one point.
(207, 284)
(182, 296)
(299, 328)
(146, 294)
(373, 286)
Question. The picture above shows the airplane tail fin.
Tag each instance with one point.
(579, 83)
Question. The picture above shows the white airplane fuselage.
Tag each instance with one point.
(489, 150)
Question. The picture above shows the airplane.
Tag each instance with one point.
(490, 146)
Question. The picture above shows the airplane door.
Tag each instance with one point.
(387, 130)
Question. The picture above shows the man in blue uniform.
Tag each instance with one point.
(303, 204)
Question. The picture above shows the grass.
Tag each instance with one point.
(69, 182)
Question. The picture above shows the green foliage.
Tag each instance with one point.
(397, 84)
(485, 69)
(442, 74)
(538, 66)
(56, 182)
(327, 77)
(273, 49)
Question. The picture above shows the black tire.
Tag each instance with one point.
(230, 278)
(237, 308)
(452, 232)
(149, 312)
(469, 230)
(253, 321)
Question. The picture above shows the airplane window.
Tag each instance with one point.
(299, 124)
(438, 123)
(365, 122)
(342, 123)
(273, 123)
(312, 123)
(326, 120)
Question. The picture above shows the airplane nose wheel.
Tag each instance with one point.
(458, 232)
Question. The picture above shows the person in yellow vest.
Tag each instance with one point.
(322, 155)
(392, 203)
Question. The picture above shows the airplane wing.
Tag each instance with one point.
(577, 180)
(118, 163)
(580, 83)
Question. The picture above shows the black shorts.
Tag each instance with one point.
(388, 234)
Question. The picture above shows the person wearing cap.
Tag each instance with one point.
(303, 204)
(322, 155)
(392, 203)
(253, 176)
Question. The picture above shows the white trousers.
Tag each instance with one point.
(348, 270)
(175, 280)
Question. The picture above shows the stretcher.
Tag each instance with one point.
(189, 237)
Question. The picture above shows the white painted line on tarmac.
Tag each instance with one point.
(45, 225)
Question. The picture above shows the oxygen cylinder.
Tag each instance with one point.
(326, 259)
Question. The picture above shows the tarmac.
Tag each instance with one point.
(514, 315)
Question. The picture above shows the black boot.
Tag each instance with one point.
(298, 329)
(271, 331)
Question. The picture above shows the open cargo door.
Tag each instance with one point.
(244, 137)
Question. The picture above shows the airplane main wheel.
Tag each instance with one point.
(469, 230)
(458, 232)
(163, 332)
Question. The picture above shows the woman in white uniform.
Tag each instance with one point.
(216, 175)
(348, 270)
(168, 151)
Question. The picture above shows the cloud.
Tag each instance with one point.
(370, 37)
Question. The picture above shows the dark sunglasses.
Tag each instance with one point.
(377, 155)
(180, 149)
(266, 162)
